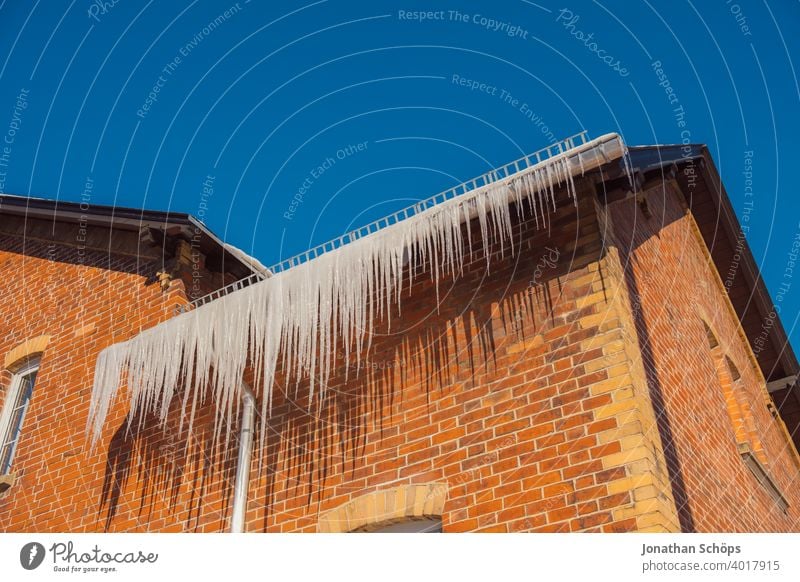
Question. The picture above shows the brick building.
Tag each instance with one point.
(621, 370)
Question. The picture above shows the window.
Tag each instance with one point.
(17, 401)
(748, 442)
(737, 404)
(427, 525)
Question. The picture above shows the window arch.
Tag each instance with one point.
(27, 350)
(407, 508)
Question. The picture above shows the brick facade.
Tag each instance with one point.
(680, 297)
(571, 386)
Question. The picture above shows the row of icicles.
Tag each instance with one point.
(297, 319)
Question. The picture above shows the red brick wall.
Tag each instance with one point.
(85, 300)
(489, 393)
(676, 289)
(521, 392)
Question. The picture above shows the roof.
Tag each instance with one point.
(220, 255)
(724, 237)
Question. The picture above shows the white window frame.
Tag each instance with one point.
(11, 402)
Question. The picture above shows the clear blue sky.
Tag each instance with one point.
(271, 100)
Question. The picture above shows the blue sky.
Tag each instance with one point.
(355, 109)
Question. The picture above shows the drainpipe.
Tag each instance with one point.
(243, 464)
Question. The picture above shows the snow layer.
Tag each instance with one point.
(299, 318)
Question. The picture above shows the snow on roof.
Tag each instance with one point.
(248, 260)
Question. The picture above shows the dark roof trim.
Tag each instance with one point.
(646, 158)
(118, 217)
(10, 204)
(751, 271)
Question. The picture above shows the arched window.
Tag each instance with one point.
(16, 406)
(415, 508)
(747, 439)
(735, 401)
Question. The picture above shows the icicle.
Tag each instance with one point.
(299, 318)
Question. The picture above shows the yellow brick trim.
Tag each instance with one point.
(386, 507)
(26, 349)
(641, 454)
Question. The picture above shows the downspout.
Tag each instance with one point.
(243, 464)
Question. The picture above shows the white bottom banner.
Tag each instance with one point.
(617, 557)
